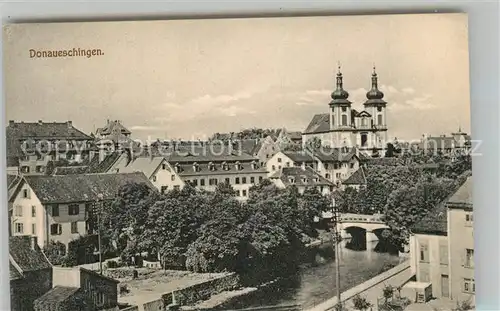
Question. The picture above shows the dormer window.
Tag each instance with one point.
(211, 166)
(177, 167)
(225, 166)
(315, 179)
(196, 167)
(237, 165)
(304, 180)
(291, 179)
(254, 165)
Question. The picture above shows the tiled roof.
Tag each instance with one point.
(27, 258)
(113, 127)
(328, 154)
(53, 297)
(463, 196)
(145, 165)
(103, 167)
(299, 156)
(357, 178)
(217, 168)
(319, 123)
(81, 187)
(250, 146)
(300, 177)
(67, 170)
(13, 273)
(439, 142)
(433, 223)
(209, 153)
(295, 135)
(12, 182)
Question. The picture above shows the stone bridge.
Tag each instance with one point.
(355, 225)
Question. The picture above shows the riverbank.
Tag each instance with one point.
(371, 289)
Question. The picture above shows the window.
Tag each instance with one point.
(39, 169)
(195, 182)
(33, 229)
(243, 180)
(279, 160)
(327, 176)
(344, 109)
(212, 181)
(363, 121)
(55, 229)
(469, 258)
(237, 180)
(338, 175)
(424, 256)
(55, 210)
(73, 209)
(26, 193)
(252, 180)
(379, 117)
(260, 178)
(469, 219)
(100, 298)
(443, 254)
(19, 211)
(19, 227)
(164, 189)
(154, 178)
(333, 119)
(25, 169)
(202, 182)
(172, 178)
(326, 166)
(244, 192)
(74, 227)
(228, 181)
(344, 119)
(469, 286)
(33, 211)
(164, 166)
(352, 165)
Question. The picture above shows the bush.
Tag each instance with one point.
(388, 292)
(55, 252)
(360, 303)
(124, 289)
(463, 306)
(111, 264)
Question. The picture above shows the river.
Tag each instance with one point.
(314, 284)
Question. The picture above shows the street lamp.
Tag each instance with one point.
(99, 207)
(336, 244)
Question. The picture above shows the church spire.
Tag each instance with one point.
(339, 93)
(374, 93)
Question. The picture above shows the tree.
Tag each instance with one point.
(313, 143)
(348, 201)
(360, 303)
(55, 252)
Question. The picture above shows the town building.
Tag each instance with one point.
(287, 139)
(58, 208)
(333, 164)
(159, 172)
(204, 167)
(344, 126)
(303, 178)
(442, 247)
(32, 145)
(30, 272)
(114, 136)
(357, 180)
(263, 148)
(456, 144)
(79, 289)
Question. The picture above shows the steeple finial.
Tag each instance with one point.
(339, 93)
(338, 68)
(374, 70)
(374, 93)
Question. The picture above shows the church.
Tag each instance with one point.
(344, 126)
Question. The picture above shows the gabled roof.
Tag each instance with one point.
(357, 178)
(300, 177)
(462, 198)
(208, 153)
(113, 127)
(363, 113)
(105, 165)
(55, 296)
(146, 165)
(250, 146)
(81, 187)
(328, 154)
(217, 168)
(13, 273)
(299, 156)
(25, 256)
(68, 170)
(320, 123)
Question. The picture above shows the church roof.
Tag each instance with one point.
(320, 123)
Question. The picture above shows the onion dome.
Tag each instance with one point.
(339, 93)
(374, 93)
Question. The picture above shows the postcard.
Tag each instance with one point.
(278, 163)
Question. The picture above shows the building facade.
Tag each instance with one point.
(58, 208)
(31, 146)
(344, 126)
(302, 178)
(442, 247)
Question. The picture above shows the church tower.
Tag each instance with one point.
(376, 106)
(340, 106)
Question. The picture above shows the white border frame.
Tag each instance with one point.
(484, 77)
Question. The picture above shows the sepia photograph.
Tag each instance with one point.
(281, 163)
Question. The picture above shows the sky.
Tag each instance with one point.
(191, 78)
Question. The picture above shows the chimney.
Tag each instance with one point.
(40, 122)
(34, 242)
(107, 121)
(70, 123)
(11, 123)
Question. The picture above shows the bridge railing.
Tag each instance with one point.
(361, 218)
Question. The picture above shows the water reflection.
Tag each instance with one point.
(315, 282)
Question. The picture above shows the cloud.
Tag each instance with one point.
(408, 90)
(421, 103)
(145, 128)
(318, 92)
(233, 111)
(209, 99)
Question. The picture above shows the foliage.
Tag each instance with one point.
(388, 292)
(81, 250)
(251, 133)
(464, 306)
(360, 303)
(55, 252)
(313, 143)
(348, 201)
